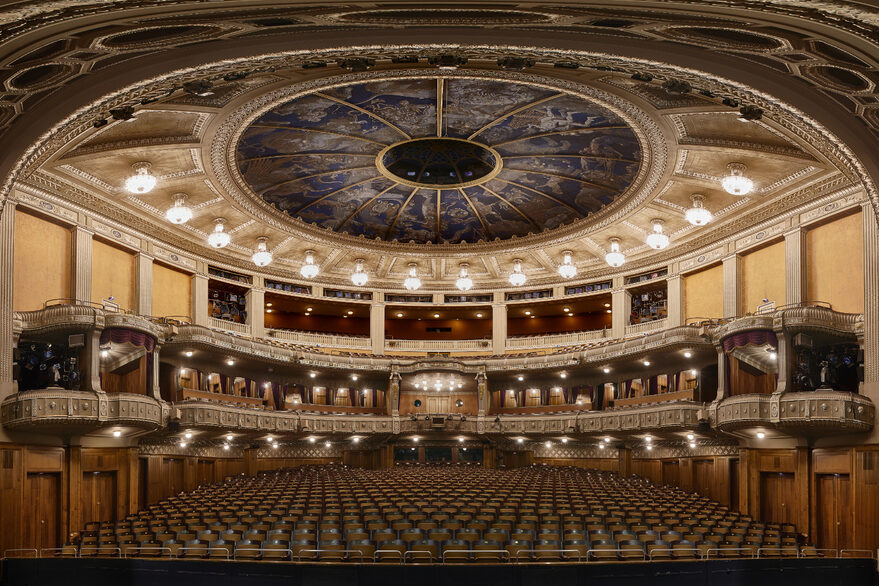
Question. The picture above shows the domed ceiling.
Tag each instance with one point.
(433, 160)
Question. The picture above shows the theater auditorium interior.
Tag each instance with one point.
(393, 292)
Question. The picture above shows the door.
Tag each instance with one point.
(98, 496)
(437, 405)
(702, 476)
(834, 511)
(778, 497)
(734, 484)
(174, 480)
(42, 519)
(670, 472)
(205, 472)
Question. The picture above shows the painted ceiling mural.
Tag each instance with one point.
(439, 161)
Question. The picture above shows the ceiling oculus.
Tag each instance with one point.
(439, 160)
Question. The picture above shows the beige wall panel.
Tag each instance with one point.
(112, 274)
(703, 293)
(763, 277)
(171, 291)
(42, 262)
(835, 264)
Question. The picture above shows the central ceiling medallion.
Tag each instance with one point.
(439, 160)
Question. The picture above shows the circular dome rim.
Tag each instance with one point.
(650, 136)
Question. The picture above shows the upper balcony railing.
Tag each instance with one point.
(650, 326)
(317, 340)
(555, 340)
(229, 326)
(438, 346)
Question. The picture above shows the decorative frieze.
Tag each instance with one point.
(82, 411)
(814, 412)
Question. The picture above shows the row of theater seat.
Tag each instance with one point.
(452, 513)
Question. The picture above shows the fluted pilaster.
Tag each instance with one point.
(794, 268)
(7, 245)
(377, 327)
(143, 284)
(732, 286)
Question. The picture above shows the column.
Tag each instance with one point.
(482, 395)
(621, 308)
(675, 296)
(90, 361)
(199, 311)
(498, 327)
(81, 265)
(794, 266)
(256, 312)
(7, 338)
(732, 290)
(871, 307)
(377, 327)
(784, 360)
(723, 390)
(393, 395)
(143, 284)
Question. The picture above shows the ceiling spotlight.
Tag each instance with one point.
(478, 315)
(353, 377)
(566, 309)
(692, 444)
(436, 315)
(399, 314)
(564, 440)
(606, 370)
(736, 183)
(773, 356)
(117, 433)
(688, 354)
(656, 239)
(312, 374)
(464, 282)
(698, 215)
(308, 309)
(105, 353)
(649, 448)
(693, 372)
(415, 439)
(691, 437)
(564, 375)
(268, 310)
(229, 437)
(262, 257)
(600, 446)
(187, 435)
(350, 312)
(607, 304)
(182, 444)
(359, 277)
(520, 377)
(142, 181)
(312, 439)
(225, 446)
(219, 237)
(520, 440)
(179, 213)
(269, 438)
(327, 444)
(615, 258)
(307, 313)
(412, 282)
(548, 445)
(528, 312)
(760, 435)
(275, 445)
(309, 270)
(646, 363)
(230, 362)
(608, 311)
(648, 439)
(567, 269)
(188, 353)
(607, 439)
(461, 440)
(355, 439)
(517, 277)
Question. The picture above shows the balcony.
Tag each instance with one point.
(321, 340)
(229, 326)
(555, 340)
(645, 327)
(392, 346)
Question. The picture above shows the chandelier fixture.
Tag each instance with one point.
(309, 270)
(656, 239)
(464, 282)
(698, 215)
(736, 183)
(517, 277)
(142, 181)
(412, 282)
(359, 277)
(179, 213)
(615, 258)
(262, 256)
(567, 269)
(219, 238)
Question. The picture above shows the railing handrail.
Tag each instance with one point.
(530, 551)
(591, 552)
(779, 548)
(319, 551)
(33, 549)
(503, 552)
(61, 549)
(672, 550)
(869, 551)
(261, 550)
(720, 549)
(142, 548)
(394, 551)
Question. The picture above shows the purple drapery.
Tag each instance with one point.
(565, 394)
(224, 381)
(628, 391)
(503, 396)
(654, 385)
(123, 336)
(247, 391)
(752, 338)
(278, 396)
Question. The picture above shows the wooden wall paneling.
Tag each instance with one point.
(865, 485)
(99, 496)
(190, 473)
(42, 511)
(11, 496)
(703, 476)
(205, 472)
(802, 494)
(132, 502)
(74, 489)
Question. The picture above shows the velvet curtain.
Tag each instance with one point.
(751, 338)
(123, 336)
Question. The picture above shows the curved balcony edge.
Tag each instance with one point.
(82, 411)
(816, 412)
